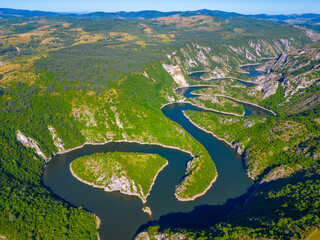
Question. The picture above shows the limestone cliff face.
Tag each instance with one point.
(123, 184)
(300, 70)
(268, 88)
(142, 236)
(161, 236)
(281, 60)
(31, 143)
(277, 173)
(314, 36)
(56, 140)
(176, 74)
(119, 181)
(222, 61)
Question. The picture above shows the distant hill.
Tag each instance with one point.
(293, 18)
(307, 18)
(128, 15)
(156, 14)
(8, 13)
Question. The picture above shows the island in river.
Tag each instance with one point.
(129, 173)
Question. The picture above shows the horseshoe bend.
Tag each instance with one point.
(196, 124)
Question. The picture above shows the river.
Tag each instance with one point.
(121, 215)
(250, 71)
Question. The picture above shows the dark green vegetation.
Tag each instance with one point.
(137, 171)
(268, 142)
(286, 209)
(27, 209)
(281, 150)
(218, 103)
(96, 81)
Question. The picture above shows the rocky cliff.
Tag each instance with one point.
(30, 143)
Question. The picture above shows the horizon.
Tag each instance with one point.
(129, 11)
(248, 7)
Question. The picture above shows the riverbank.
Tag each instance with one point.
(199, 194)
(119, 141)
(249, 103)
(200, 71)
(224, 96)
(59, 179)
(249, 64)
(224, 78)
(209, 109)
(221, 139)
(98, 221)
(228, 97)
(124, 141)
(199, 85)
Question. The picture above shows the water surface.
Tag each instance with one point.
(197, 76)
(249, 109)
(251, 70)
(121, 215)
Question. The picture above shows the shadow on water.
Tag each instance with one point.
(121, 215)
(187, 91)
(247, 83)
(202, 217)
(251, 70)
(197, 75)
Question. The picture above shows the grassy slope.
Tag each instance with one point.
(138, 167)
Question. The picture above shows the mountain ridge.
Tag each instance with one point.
(150, 14)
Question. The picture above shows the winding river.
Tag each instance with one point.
(250, 71)
(121, 215)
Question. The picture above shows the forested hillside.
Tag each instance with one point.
(281, 153)
(66, 81)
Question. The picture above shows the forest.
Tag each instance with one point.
(103, 80)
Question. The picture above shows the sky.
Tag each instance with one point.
(240, 6)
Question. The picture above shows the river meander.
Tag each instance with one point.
(121, 215)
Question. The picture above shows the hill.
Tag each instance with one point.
(308, 18)
(66, 81)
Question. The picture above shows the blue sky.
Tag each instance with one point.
(241, 6)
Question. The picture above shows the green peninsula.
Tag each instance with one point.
(129, 173)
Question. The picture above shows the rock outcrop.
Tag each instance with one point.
(146, 209)
(160, 236)
(268, 88)
(56, 140)
(30, 143)
(176, 74)
(123, 184)
(277, 173)
(143, 236)
(281, 60)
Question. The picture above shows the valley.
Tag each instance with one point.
(70, 84)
